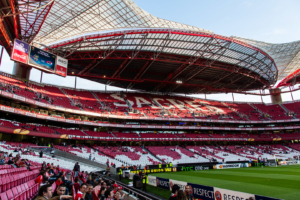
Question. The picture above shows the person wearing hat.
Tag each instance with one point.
(115, 187)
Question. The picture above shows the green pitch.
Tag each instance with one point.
(279, 182)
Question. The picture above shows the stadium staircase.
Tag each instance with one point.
(186, 107)
(62, 155)
(155, 102)
(97, 99)
(85, 133)
(193, 152)
(113, 134)
(69, 98)
(286, 110)
(255, 108)
(149, 152)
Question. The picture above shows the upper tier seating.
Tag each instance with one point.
(275, 111)
(55, 96)
(245, 110)
(143, 104)
(293, 107)
(16, 87)
(85, 100)
(113, 102)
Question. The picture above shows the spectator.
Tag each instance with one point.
(89, 195)
(45, 193)
(174, 194)
(81, 193)
(90, 156)
(76, 185)
(59, 181)
(181, 195)
(41, 177)
(60, 190)
(76, 169)
(188, 193)
(109, 194)
(41, 154)
(101, 195)
(96, 190)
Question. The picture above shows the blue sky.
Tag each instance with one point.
(271, 21)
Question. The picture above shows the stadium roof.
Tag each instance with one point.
(117, 43)
(70, 18)
(285, 55)
(168, 60)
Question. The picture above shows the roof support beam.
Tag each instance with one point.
(157, 53)
(105, 54)
(146, 65)
(191, 60)
(16, 24)
(132, 57)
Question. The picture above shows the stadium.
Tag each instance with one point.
(154, 138)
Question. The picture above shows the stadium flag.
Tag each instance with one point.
(20, 51)
(162, 183)
(202, 192)
(230, 194)
(61, 66)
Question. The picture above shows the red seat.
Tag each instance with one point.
(3, 196)
(15, 193)
(28, 191)
(10, 195)
(24, 192)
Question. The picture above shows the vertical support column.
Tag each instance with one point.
(105, 88)
(75, 82)
(41, 77)
(276, 95)
(232, 97)
(291, 93)
(261, 96)
(1, 55)
(205, 95)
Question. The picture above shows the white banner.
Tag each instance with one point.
(227, 166)
(152, 181)
(181, 184)
(61, 66)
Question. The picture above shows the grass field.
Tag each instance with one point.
(279, 182)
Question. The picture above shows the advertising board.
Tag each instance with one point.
(61, 66)
(229, 166)
(202, 192)
(223, 194)
(152, 180)
(162, 183)
(20, 51)
(181, 184)
(42, 59)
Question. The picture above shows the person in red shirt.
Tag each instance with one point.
(59, 181)
(40, 177)
(81, 193)
(76, 185)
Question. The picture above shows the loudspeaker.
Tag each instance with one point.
(137, 182)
